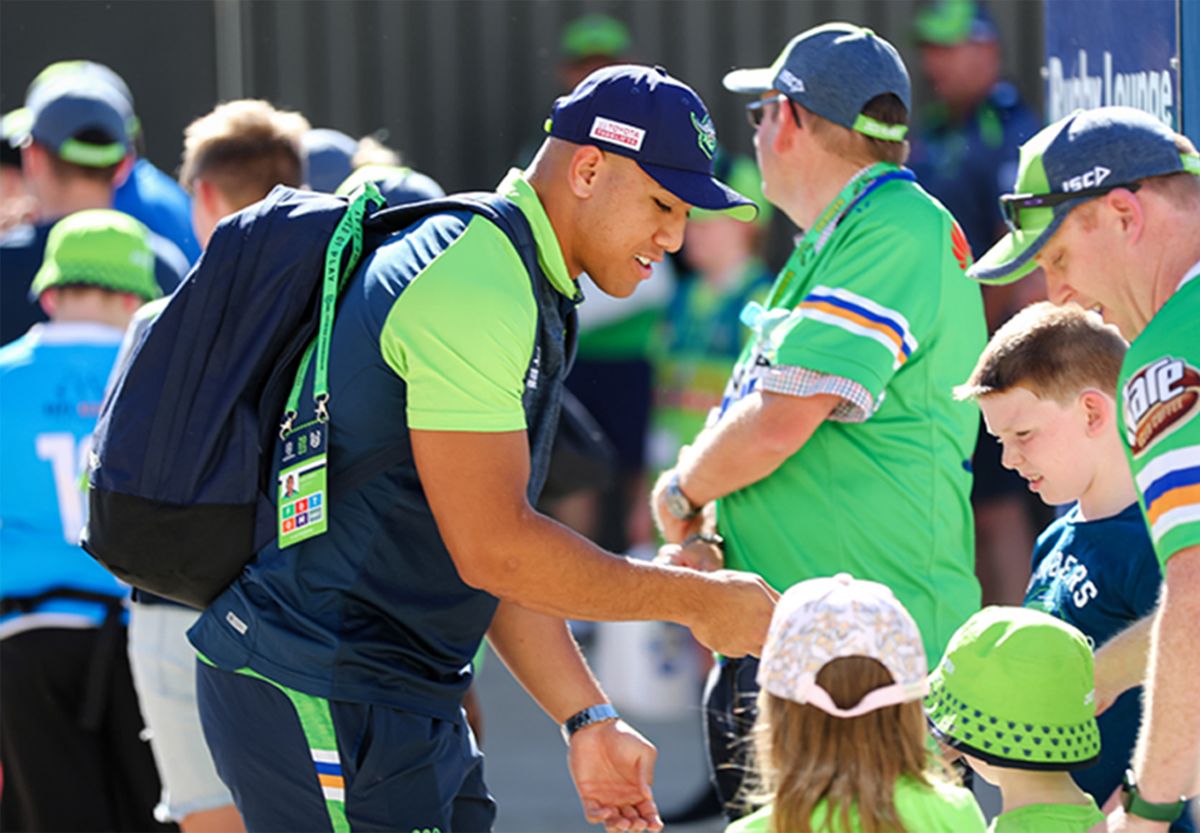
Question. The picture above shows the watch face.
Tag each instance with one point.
(679, 505)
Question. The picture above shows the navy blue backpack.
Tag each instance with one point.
(178, 490)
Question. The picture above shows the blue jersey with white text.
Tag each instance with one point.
(1100, 576)
(51, 385)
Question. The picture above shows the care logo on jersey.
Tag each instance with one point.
(1157, 399)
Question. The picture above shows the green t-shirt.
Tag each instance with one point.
(938, 809)
(883, 304)
(1160, 401)
(1048, 818)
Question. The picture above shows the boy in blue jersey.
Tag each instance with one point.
(1046, 384)
(69, 703)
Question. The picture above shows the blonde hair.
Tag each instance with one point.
(805, 757)
(1054, 351)
(850, 144)
(244, 148)
(371, 151)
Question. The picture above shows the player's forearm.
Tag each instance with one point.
(1121, 662)
(542, 655)
(542, 565)
(1168, 751)
(750, 442)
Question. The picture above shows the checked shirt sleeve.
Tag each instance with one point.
(857, 403)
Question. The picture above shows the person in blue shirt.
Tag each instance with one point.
(69, 730)
(147, 193)
(77, 148)
(1046, 384)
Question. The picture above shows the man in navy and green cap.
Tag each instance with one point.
(838, 446)
(446, 346)
(148, 194)
(1107, 203)
(71, 751)
(78, 147)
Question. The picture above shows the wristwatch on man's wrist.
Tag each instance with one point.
(1135, 805)
(677, 502)
(592, 714)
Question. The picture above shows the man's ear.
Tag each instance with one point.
(584, 170)
(1129, 212)
(123, 170)
(48, 301)
(1098, 410)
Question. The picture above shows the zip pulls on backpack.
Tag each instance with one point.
(303, 512)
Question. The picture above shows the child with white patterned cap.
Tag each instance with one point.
(841, 740)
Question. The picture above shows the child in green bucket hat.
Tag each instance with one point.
(1015, 694)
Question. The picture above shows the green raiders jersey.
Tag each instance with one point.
(880, 303)
(1160, 412)
(938, 808)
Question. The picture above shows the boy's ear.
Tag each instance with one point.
(1098, 410)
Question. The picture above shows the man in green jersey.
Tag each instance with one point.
(1107, 202)
(838, 446)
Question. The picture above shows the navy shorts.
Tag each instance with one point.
(295, 762)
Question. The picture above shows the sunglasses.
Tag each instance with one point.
(1011, 205)
(756, 110)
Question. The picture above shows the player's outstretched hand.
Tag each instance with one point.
(734, 620)
(613, 769)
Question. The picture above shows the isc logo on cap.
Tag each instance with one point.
(618, 133)
(1091, 179)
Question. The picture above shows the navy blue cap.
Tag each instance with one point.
(659, 122)
(327, 158)
(69, 105)
(1089, 151)
(82, 71)
(834, 70)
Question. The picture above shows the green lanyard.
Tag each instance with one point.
(348, 232)
(861, 184)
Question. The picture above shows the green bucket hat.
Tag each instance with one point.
(1016, 688)
(101, 248)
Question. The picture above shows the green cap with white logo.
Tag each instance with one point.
(101, 248)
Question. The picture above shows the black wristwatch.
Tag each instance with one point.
(677, 502)
(1135, 805)
(586, 717)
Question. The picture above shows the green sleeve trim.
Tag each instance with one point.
(461, 335)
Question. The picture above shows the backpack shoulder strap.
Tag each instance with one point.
(499, 211)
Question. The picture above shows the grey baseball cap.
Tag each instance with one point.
(834, 70)
(1080, 157)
